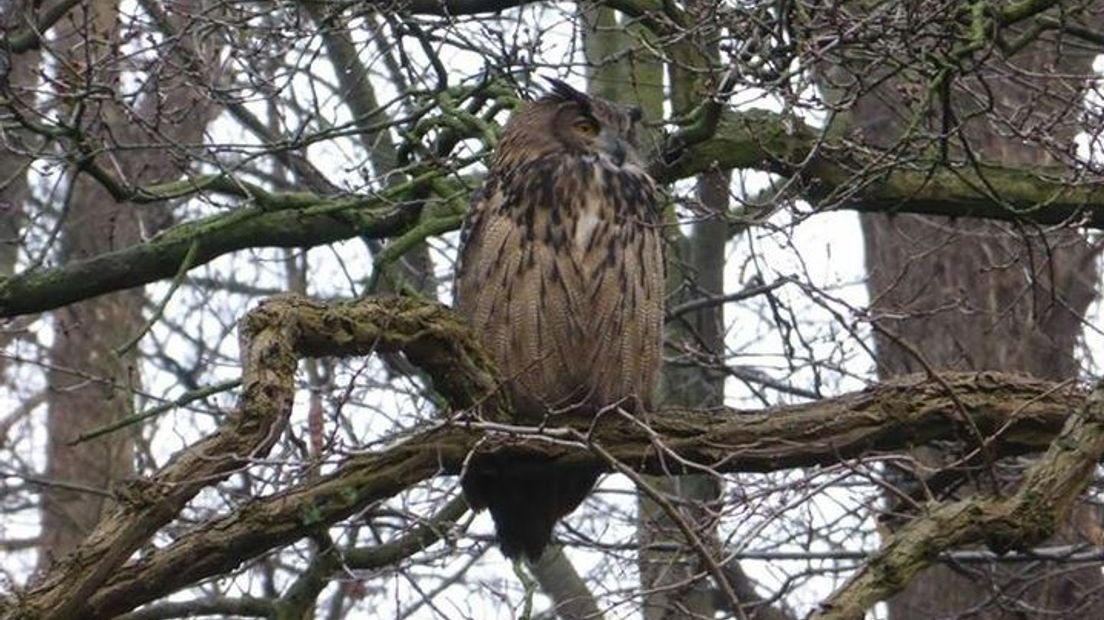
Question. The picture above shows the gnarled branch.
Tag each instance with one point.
(1014, 414)
(1029, 517)
(832, 178)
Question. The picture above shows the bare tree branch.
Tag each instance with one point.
(570, 594)
(1014, 413)
(756, 139)
(206, 606)
(1045, 497)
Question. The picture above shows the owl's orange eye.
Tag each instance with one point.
(587, 127)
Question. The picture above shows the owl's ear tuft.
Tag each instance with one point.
(562, 91)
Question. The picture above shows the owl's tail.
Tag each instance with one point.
(526, 499)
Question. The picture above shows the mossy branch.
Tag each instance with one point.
(292, 221)
(840, 176)
(1029, 517)
(1015, 414)
(275, 335)
(831, 176)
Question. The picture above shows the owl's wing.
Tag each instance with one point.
(473, 256)
(519, 291)
(644, 344)
(625, 304)
(489, 242)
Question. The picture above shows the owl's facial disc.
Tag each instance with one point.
(602, 139)
(587, 128)
(610, 144)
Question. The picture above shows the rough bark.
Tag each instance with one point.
(1038, 509)
(92, 378)
(981, 295)
(1014, 414)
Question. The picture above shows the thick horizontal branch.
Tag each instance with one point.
(838, 178)
(208, 606)
(1045, 497)
(1015, 414)
(292, 223)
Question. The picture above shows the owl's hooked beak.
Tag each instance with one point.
(613, 146)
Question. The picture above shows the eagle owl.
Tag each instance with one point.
(561, 276)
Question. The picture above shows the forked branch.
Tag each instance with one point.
(1014, 414)
(1044, 498)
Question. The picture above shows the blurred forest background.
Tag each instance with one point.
(884, 256)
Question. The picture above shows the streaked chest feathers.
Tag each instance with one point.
(562, 275)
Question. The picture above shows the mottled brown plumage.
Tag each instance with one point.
(561, 276)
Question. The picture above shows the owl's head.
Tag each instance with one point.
(566, 120)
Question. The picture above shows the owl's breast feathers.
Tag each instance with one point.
(561, 276)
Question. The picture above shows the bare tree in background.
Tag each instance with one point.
(970, 295)
(183, 440)
(93, 368)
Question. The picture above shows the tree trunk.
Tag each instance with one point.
(18, 84)
(967, 294)
(88, 384)
(91, 379)
(670, 565)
